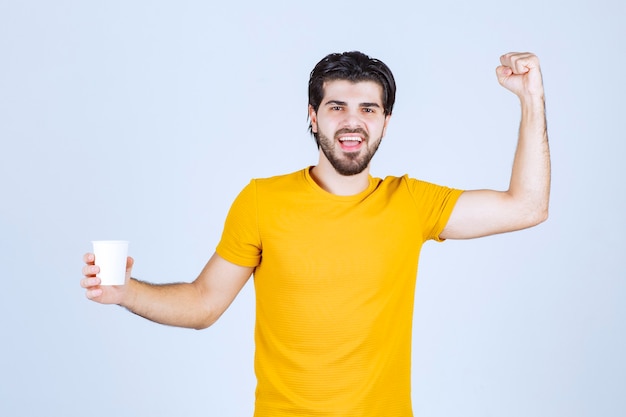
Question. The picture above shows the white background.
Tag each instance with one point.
(142, 120)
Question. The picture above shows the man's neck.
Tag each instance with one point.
(330, 180)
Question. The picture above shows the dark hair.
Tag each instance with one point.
(352, 66)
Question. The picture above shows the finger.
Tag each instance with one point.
(129, 263)
(90, 270)
(507, 58)
(129, 266)
(520, 62)
(93, 294)
(90, 282)
(89, 258)
(503, 73)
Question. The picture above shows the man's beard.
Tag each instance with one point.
(348, 163)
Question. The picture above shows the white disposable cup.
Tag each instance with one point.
(111, 258)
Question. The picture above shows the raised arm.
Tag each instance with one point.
(194, 305)
(486, 212)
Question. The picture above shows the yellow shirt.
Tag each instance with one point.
(334, 281)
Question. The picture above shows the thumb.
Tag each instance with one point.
(503, 73)
(129, 266)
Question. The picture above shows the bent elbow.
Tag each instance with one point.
(204, 324)
(537, 216)
(206, 320)
(544, 215)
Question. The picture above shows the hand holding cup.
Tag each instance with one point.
(106, 271)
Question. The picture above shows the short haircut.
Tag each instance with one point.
(351, 66)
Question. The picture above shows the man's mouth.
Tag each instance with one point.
(350, 142)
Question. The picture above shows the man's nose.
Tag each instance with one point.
(352, 120)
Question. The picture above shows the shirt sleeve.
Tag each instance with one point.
(435, 204)
(240, 242)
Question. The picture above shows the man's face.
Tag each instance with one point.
(349, 124)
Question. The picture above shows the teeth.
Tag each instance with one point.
(351, 139)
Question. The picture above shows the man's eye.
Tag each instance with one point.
(368, 110)
(336, 108)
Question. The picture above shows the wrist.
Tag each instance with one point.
(532, 98)
(532, 104)
(129, 294)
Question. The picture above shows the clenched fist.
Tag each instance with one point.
(520, 73)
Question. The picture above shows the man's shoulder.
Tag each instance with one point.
(415, 186)
(281, 183)
(398, 181)
(408, 179)
(291, 176)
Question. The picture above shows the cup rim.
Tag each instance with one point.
(111, 242)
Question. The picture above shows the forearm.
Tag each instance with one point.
(179, 304)
(530, 177)
(525, 204)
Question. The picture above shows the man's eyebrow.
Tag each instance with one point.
(335, 102)
(343, 103)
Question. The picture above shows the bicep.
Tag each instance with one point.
(480, 213)
(219, 283)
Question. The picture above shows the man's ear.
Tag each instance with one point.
(313, 119)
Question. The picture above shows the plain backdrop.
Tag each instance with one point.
(142, 120)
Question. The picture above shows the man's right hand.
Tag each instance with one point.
(104, 294)
(193, 305)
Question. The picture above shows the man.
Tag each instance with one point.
(335, 251)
